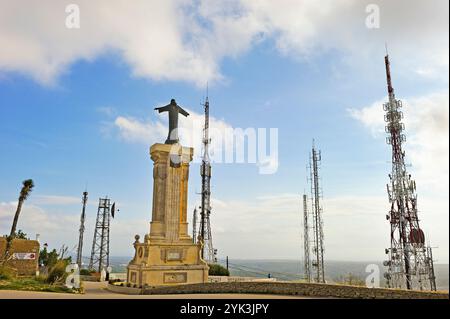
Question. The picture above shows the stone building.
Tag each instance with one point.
(25, 256)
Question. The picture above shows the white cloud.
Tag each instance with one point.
(151, 36)
(426, 122)
(133, 130)
(309, 27)
(372, 117)
(185, 40)
(429, 143)
(35, 220)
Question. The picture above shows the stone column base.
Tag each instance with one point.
(166, 275)
(162, 264)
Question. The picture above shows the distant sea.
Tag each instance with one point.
(293, 269)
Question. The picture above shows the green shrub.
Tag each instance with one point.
(48, 259)
(57, 273)
(218, 270)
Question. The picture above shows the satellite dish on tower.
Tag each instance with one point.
(113, 209)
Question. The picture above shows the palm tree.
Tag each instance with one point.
(24, 193)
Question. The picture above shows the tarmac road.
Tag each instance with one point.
(97, 290)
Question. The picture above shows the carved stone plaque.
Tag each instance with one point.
(173, 255)
(175, 277)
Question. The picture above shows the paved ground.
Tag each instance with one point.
(96, 290)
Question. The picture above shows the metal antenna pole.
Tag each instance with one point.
(432, 276)
(107, 230)
(318, 246)
(307, 261)
(408, 264)
(80, 239)
(208, 252)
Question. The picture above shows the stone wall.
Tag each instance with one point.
(25, 267)
(124, 290)
(239, 279)
(301, 289)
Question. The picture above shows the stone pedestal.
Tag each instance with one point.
(167, 254)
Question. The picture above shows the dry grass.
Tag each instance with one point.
(9, 281)
(33, 284)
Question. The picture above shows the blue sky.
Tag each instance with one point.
(62, 128)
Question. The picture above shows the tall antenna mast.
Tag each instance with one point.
(318, 247)
(409, 263)
(100, 245)
(307, 261)
(208, 251)
(80, 239)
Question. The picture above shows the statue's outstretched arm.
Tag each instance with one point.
(162, 108)
(182, 111)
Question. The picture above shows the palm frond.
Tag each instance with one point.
(26, 189)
